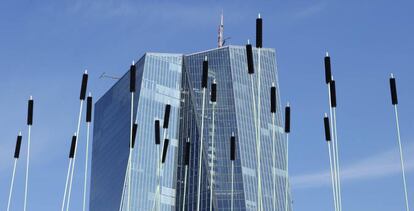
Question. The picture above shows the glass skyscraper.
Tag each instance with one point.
(175, 79)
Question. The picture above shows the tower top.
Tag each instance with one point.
(221, 31)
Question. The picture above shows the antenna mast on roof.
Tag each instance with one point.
(221, 31)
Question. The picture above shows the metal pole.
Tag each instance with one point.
(66, 184)
(273, 111)
(401, 157)
(200, 151)
(332, 175)
(337, 161)
(186, 163)
(86, 167)
(88, 122)
(16, 157)
(213, 101)
(287, 174)
(287, 131)
(159, 172)
(130, 153)
(232, 159)
(232, 185)
(250, 67)
(123, 189)
(82, 99)
(185, 185)
(11, 185)
(274, 160)
(74, 158)
(333, 150)
(394, 99)
(259, 134)
(328, 139)
(204, 86)
(29, 123)
(71, 155)
(212, 163)
(259, 45)
(132, 83)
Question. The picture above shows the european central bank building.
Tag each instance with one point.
(175, 79)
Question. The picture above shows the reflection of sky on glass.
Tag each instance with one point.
(46, 47)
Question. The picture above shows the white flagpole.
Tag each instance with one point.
(29, 124)
(232, 158)
(250, 67)
(258, 122)
(204, 86)
(123, 188)
(82, 99)
(287, 131)
(131, 148)
(213, 101)
(71, 154)
(328, 139)
(328, 78)
(273, 111)
(394, 99)
(88, 123)
(16, 157)
(11, 185)
(186, 163)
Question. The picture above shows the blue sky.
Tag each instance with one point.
(46, 45)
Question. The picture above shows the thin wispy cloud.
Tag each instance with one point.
(142, 11)
(380, 165)
(311, 10)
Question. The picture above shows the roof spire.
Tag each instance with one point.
(221, 31)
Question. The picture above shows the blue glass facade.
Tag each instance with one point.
(233, 114)
(158, 83)
(176, 79)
